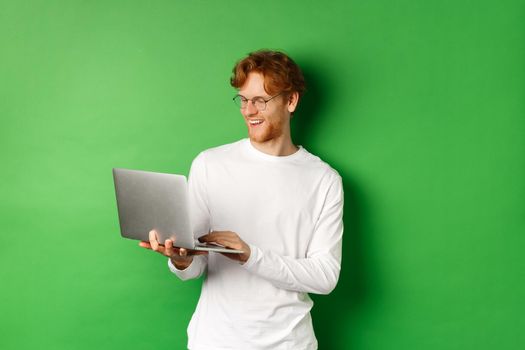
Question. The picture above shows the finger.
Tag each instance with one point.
(224, 240)
(203, 238)
(183, 252)
(224, 234)
(145, 245)
(153, 240)
(212, 236)
(220, 239)
(168, 245)
(190, 252)
(199, 252)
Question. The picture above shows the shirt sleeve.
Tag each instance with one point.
(200, 217)
(319, 271)
(195, 270)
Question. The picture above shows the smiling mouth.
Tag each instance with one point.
(255, 122)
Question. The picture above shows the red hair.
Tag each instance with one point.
(281, 74)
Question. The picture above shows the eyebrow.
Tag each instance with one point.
(264, 98)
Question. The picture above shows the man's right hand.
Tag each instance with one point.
(180, 257)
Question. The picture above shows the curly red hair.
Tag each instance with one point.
(281, 73)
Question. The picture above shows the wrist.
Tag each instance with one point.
(181, 265)
(246, 255)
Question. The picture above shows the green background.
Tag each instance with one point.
(418, 104)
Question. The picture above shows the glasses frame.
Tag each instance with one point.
(253, 102)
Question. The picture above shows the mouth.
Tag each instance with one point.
(255, 122)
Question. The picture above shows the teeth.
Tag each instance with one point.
(255, 122)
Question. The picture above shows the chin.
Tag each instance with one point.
(265, 135)
(260, 137)
(256, 139)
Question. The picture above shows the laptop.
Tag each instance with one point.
(149, 200)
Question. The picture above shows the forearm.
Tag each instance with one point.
(317, 274)
(318, 271)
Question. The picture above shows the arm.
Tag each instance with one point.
(318, 272)
(199, 217)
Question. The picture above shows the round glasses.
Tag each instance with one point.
(258, 102)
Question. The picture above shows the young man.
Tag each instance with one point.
(275, 201)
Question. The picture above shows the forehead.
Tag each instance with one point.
(253, 86)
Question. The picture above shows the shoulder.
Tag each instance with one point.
(224, 150)
(219, 153)
(330, 182)
(321, 168)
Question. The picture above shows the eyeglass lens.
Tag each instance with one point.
(258, 102)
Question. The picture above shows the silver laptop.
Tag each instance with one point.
(148, 200)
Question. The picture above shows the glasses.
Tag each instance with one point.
(258, 102)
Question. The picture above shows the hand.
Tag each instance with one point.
(230, 240)
(180, 257)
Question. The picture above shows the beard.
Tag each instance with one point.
(266, 132)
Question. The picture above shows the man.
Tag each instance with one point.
(275, 201)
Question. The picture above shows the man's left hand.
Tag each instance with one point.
(230, 240)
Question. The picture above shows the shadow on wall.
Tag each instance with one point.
(335, 315)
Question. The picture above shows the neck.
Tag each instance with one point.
(276, 147)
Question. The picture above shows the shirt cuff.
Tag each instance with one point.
(181, 273)
(255, 256)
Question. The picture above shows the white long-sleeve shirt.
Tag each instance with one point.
(289, 211)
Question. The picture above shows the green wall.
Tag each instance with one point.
(418, 104)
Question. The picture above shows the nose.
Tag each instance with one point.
(250, 108)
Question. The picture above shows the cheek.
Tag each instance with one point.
(275, 119)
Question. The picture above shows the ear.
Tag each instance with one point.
(293, 100)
